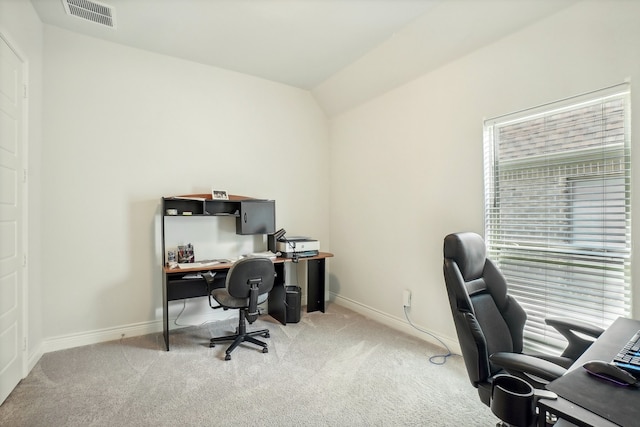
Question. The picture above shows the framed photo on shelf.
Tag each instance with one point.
(219, 195)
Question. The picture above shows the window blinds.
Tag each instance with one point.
(557, 210)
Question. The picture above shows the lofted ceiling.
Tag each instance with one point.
(310, 44)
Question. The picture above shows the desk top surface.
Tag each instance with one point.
(608, 403)
(224, 266)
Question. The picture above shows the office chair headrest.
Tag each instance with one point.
(468, 251)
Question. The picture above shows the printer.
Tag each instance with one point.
(297, 247)
(292, 247)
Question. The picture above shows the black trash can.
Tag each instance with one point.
(292, 301)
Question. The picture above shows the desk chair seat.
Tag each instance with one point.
(247, 284)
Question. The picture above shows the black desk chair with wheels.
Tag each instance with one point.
(490, 323)
(247, 284)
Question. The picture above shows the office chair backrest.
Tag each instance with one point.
(249, 278)
(487, 320)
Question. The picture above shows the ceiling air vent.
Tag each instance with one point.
(91, 11)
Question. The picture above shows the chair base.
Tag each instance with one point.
(239, 337)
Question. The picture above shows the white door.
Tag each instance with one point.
(11, 235)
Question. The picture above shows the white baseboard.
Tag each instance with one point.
(32, 359)
(396, 323)
(63, 342)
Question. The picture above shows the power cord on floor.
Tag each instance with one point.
(184, 306)
(435, 357)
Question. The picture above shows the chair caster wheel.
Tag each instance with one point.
(266, 335)
(265, 350)
(227, 357)
(212, 344)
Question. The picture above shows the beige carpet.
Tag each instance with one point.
(331, 369)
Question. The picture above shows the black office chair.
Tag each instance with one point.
(248, 283)
(490, 323)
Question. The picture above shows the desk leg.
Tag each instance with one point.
(277, 306)
(315, 285)
(165, 312)
(542, 418)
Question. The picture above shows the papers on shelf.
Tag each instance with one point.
(212, 262)
(265, 254)
(200, 199)
(204, 263)
(209, 274)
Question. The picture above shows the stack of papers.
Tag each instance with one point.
(265, 254)
(212, 262)
(204, 263)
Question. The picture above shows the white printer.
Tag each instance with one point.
(294, 247)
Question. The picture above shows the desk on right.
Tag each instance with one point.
(585, 400)
(315, 287)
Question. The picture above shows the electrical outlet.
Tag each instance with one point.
(406, 298)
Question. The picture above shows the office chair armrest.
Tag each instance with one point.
(529, 368)
(562, 323)
(570, 328)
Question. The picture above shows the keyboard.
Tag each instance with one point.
(628, 357)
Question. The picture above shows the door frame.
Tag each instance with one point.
(24, 208)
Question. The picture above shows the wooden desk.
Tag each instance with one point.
(581, 396)
(175, 287)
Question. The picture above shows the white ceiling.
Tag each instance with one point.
(306, 43)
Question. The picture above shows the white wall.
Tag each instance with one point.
(124, 127)
(407, 167)
(21, 27)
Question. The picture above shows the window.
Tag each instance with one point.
(557, 210)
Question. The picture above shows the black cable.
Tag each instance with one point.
(175, 321)
(294, 258)
(436, 356)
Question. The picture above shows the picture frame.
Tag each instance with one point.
(219, 195)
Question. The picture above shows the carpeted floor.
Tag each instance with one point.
(331, 369)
